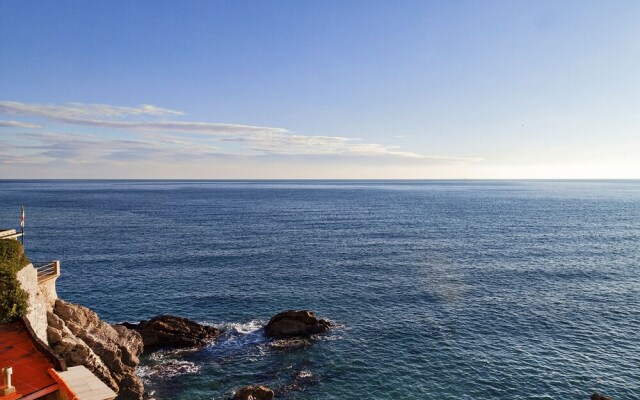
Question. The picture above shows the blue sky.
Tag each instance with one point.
(320, 89)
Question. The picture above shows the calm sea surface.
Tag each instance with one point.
(440, 289)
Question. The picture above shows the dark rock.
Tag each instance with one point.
(600, 396)
(295, 323)
(172, 331)
(254, 393)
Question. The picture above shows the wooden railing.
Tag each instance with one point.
(47, 269)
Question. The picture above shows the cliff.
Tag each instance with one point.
(78, 335)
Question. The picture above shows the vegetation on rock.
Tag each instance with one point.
(13, 299)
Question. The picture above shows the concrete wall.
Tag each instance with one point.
(48, 290)
(41, 299)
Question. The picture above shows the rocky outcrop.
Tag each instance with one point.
(254, 393)
(600, 396)
(295, 323)
(111, 352)
(172, 331)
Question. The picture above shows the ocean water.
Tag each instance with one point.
(439, 289)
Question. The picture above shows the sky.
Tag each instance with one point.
(320, 89)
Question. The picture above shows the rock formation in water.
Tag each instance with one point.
(172, 331)
(600, 396)
(111, 352)
(295, 323)
(254, 393)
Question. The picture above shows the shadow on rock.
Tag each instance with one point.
(295, 323)
(172, 331)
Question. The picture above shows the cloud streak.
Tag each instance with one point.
(81, 110)
(18, 124)
(291, 144)
(103, 116)
(76, 148)
(164, 141)
(207, 128)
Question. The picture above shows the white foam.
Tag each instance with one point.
(304, 374)
(167, 369)
(242, 328)
(248, 327)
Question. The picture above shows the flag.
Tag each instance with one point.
(22, 218)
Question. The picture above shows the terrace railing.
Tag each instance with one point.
(47, 270)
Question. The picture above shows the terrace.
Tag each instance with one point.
(47, 270)
(10, 234)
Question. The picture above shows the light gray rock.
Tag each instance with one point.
(80, 337)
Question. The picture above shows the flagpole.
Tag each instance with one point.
(22, 225)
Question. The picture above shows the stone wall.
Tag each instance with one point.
(41, 299)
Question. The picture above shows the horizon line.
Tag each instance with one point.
(317, 179)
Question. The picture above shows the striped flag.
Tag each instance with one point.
(22, 217)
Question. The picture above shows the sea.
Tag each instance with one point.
(437, 289)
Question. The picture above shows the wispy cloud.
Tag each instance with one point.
(291, 144)
(81, 110)
(77, 148)
(14, 159)
(18, 124)
(163, 140)
(107, 116)
(209, 128)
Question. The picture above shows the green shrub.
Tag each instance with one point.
(14, 301)
(12, 257)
